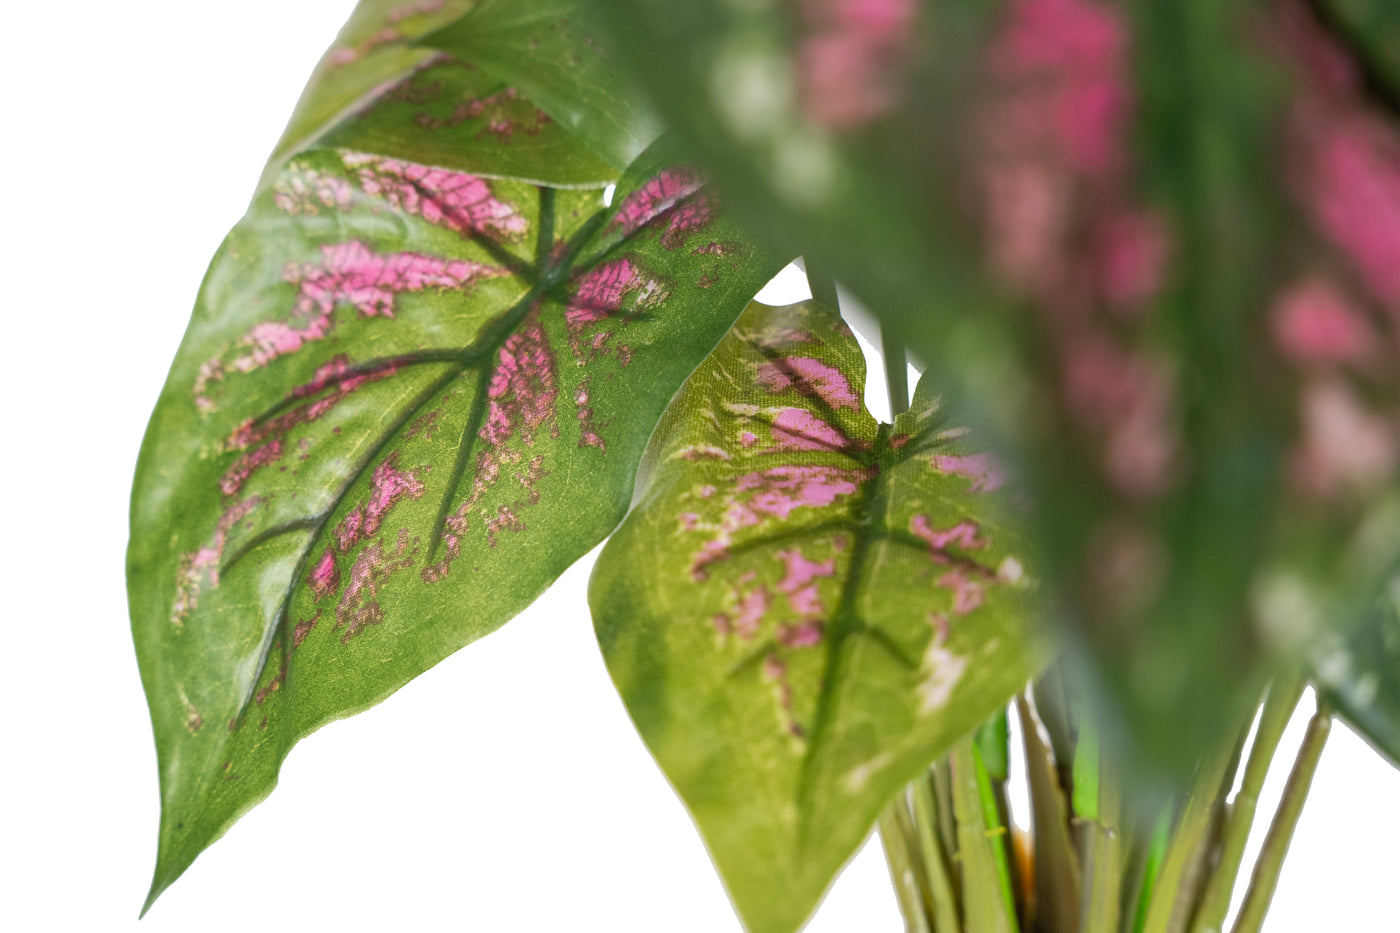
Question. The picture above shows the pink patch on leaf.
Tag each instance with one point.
(982, 469)
(655, 197)
(963, 535)
(810, 378)
(455, 200)
(325, 576)
(799, 429)
(1313, 322)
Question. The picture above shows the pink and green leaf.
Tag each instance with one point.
(409, 397)
(805, 607)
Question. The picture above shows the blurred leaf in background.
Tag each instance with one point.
(1150, 249)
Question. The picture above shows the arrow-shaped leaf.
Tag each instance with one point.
(410, 396)
(805, 607)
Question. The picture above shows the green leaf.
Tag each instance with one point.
(550, 50)
(409, 398)
(804, 606)
(1107, 228)
(1371, 28)
(374, 48)
(1359, 675)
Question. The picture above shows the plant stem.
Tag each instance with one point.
(1174, 892)
(985, 901)
(936, 861)
(1151, 866)
(1278, 709)
(1057, 877)
(896, 367)
(898, 851)
(822, 286)
(1266, 870)
(1103, 862)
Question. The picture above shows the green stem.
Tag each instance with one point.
(1174, 892)
(937, 870)
(1151, 868)
(896, 367)
(822, 286)
(1295, 793)
(984, 903)
(1278, 709)
(1103, 862)
(903, 871)
(1057, 876)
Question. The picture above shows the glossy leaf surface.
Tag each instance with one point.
(1148, 247)
(1360, 675)
(551, 51)
(409, 397)
(805, 607)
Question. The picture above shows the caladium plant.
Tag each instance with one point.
(484, 313)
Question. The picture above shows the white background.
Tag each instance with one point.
(504, 790)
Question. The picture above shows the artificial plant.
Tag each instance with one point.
(487, 309)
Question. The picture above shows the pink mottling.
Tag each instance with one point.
(963, 535)
(200, 567)
(657, 196)
(849, 59)
(753, 605)
(810, 378)
(455, 200)
(523, 387)
(773, 668)
(780, 490)
(588, 428)
(333, 376)
(504, 114)
(1075, 51)
(600, 293)
(351, 274)
(521, 396)
(775, 492)
(1347, 171)
(388, 486)
(1132, 252)
(799, 581)
(1313, 322)
(325, 576)
(1346, 447)
(347, 533)
(610, 293)
(307, 193)
(244, 467)
(1126, 397)
(967, 593)
(358, 607)
(748, 439)
(982, 468)
(504, 520)
(1355, 198)
(800, 635)
(799, 429)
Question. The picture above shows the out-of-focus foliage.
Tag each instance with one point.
(1359, 673)
(1152, 248)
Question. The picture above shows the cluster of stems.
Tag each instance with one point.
(1090, 862)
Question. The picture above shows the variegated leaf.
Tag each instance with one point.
(805, 606)
(410, 396)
